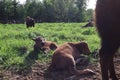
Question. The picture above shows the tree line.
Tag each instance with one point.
(12, 11)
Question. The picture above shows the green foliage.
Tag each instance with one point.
(12, 11)
(89, 14)
(16, 45)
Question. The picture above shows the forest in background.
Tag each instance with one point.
(12, 11)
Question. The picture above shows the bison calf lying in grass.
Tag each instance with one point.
(65, 57)
(30, 22)
(108, 25)
(42, 45)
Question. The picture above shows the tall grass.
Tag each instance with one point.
(16, 40)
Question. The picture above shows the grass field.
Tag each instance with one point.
(16, 40)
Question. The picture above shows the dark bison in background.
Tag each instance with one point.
(30, 22)
(90, 23)
(108, 25)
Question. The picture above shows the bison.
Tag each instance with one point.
(107, 15)
(30, 22)
(42, 45)
(65, 57)
(89, 24)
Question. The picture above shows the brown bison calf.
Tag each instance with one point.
(64, 57)
(30, 22)
(42, 45)
(108, 25)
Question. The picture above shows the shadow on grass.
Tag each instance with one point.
(28, 62)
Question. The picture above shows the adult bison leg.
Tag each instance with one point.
(106, 60)
(112, 70)
(111, 66)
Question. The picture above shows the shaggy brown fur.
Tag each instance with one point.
(42, 45)
(65, 55)
(108, 25)
(48, 45)
(30, 22)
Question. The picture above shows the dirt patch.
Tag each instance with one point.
(39, 72)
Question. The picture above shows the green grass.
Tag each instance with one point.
(16, 43)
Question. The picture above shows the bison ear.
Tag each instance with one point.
(53, 46)
(33, 39)
(81, 40)
(44, 39)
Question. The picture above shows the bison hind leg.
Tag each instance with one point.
(74, 70)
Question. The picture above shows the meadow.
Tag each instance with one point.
(16, 41)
